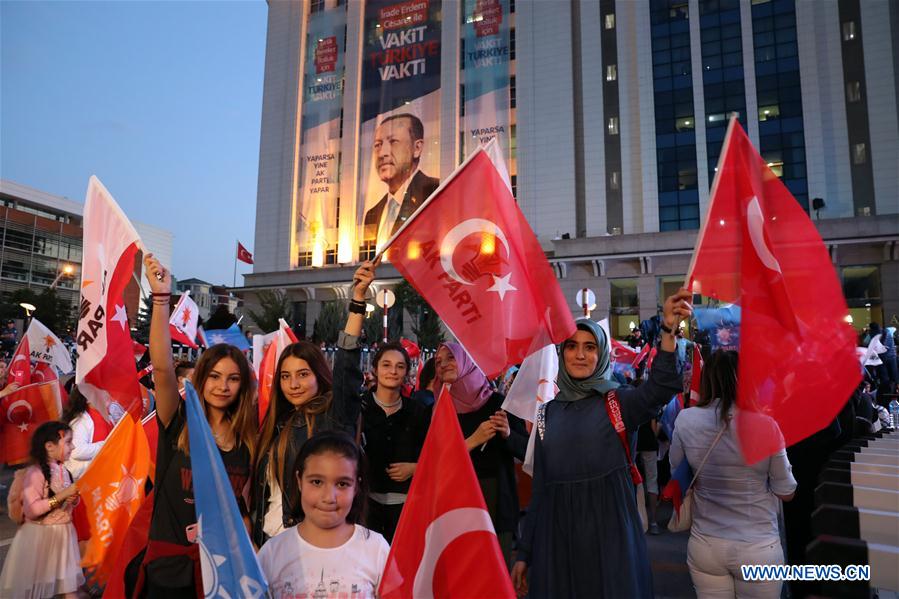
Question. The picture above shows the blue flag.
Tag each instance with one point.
(232, 335)
(227, 559)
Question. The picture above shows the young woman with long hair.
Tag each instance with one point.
(306, 398)
(171, 565)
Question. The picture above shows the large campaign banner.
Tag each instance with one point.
(400, 115)
(486, 74)
(316, 210)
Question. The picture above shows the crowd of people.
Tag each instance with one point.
(322, 477)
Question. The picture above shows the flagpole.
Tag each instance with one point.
(688, 279)
(236, 250)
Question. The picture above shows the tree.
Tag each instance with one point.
(427, 331)
(144, 311)
(54, 313)
(329, 323)
(274, 305)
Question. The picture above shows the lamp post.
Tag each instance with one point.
(29, 308)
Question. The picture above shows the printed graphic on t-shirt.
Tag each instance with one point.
(327, 587)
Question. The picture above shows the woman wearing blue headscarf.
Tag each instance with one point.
(582, 534)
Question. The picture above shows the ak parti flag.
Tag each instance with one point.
(46, 347)
(23, 411)
(112, 489)
(183, 322)
(472, 255)
(758, 248)
(445, 544)
(105, 371)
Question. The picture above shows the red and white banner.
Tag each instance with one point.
(243, 254)
(19, 370)
(105, 371)
(270, 353)
(445, 544)
(183, 322)
(22, 412)
(758, 248)
(472, 255)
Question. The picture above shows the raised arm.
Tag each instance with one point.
(665, 380)
(347, 374)
(167, 398)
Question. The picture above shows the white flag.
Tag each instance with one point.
(46, 347)
(184, 320)
(535, 384)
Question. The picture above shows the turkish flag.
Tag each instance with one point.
(22, 412)
(243, 254)
(20, 366)
(623, 354)
(445, 544)
(105, 371)
(758, 248)
(472, 255)
(280, 339)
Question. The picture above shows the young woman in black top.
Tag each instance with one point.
(307, 398)
(171, 565)
(393, 432)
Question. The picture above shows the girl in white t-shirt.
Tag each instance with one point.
(327, 554)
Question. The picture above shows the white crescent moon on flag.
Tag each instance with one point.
(13, 405)
(460, 232)
(755, 222)
(440, 533)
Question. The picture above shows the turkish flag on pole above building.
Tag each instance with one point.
(445, 544)
(758, 247)
(243, 254)
(472, 255)
(105, 371)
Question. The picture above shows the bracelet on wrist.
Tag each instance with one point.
(666, 329)
(154, 295)
(357, 307)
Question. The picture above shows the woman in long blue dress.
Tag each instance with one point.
(582, 534)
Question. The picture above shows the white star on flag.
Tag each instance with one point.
(217, 338)
(501, 285)
(121, 316)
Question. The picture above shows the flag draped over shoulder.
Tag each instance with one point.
(445, 544)
(105, 371)
(112, 489)
(472, 255)
(227, 559)
(46, 347)
(758, 248)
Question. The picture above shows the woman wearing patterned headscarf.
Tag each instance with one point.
(582, 534)
(492, 437)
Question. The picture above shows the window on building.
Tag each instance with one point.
(769, 112)
(853, 91)
(776, 165)
(613, 125)
(615, 180)
(849, 31)
(462, 53)
(610, 21)
(316, 6)
(861, 287)
(512, 43)
(611, 72)
(512, 100)
(624, 306)
(687, 123)
(678, 11)
(859, 153)
(461, 100)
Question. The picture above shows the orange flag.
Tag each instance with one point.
(112, 489)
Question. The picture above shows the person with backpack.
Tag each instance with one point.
(44, 560)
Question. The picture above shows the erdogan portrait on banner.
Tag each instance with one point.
(399, 141)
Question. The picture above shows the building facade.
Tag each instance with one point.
(41, 239)
(615, 113)
(209, 297)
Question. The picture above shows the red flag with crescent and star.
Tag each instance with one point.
(19, 370)
(445, 544)
(105, 371)
(243, 254)
(472, 255)
(23, 411)
(758, 247)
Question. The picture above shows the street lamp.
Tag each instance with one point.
(29, 308)
(67, 270)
